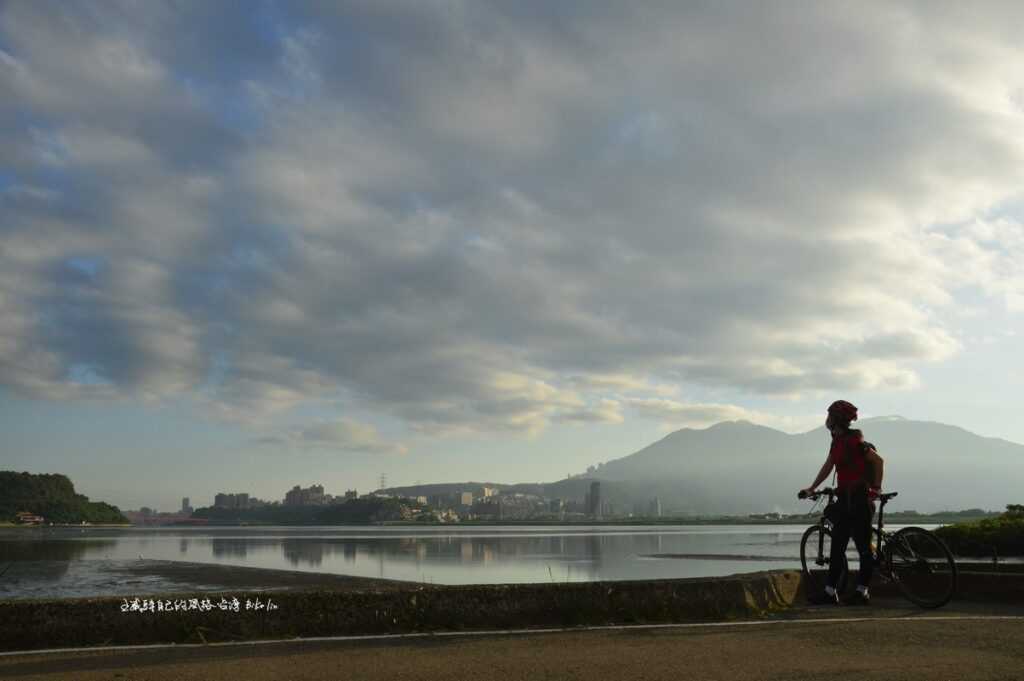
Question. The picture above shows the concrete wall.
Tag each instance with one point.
(33, 624)
(28, 624)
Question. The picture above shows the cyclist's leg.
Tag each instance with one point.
(837, 555)
(861, 511)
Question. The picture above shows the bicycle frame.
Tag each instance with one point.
(912, 558)
(883, 537)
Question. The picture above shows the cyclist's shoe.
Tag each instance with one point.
(857, 598)
(823, 598)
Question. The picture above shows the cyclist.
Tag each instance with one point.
(859, 472)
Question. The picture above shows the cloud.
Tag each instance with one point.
(606, 411)
(674, 414)
(344, 435)
(493, 217)
(684, 413)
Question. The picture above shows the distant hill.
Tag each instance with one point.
(53, 497)
(740, 467)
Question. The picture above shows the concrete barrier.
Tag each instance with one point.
(33, 624)
(974, 586)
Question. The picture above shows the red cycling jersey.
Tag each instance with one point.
(848, 456)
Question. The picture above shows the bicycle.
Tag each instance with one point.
(912, 558)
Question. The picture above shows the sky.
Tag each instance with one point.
(248, 245)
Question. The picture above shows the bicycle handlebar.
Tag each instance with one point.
(814, 496)
(831, 492)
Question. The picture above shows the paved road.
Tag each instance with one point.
(886, 642)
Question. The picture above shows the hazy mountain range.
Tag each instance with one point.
(741, 467)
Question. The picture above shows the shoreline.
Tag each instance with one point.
(800, 519)
(255, 578)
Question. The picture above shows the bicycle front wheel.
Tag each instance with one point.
(922, 567)
(815, 559)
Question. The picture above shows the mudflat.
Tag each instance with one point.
(234, 577)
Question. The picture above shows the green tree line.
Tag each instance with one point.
(52, 496)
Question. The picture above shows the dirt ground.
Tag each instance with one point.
(886, 641)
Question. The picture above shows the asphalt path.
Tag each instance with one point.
(885, 641)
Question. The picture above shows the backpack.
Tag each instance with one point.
(869, 468)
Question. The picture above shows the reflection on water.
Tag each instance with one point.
(50, 559)
(229, 548)
(443, 555)
(24, 548)
(303, 553)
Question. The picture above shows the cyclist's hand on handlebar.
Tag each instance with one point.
(804, 493)
(873, 492)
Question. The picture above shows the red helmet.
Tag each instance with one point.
(843, 410)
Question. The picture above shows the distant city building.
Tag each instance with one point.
(236, 501)
(655, 508)
(310, 496)
(466, 498)
(594, 500)
(148, 516)
(489, 492)
(555, 506)
(442, 501)
(186, 507)
(421, 500)
(351, 494)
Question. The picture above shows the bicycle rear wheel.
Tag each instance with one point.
(922, 567)
(815, 566)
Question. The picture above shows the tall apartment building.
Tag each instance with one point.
(238, 501)
(594, 500)
(655, 508)
(309, 496)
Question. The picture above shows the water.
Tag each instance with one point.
(80, 562)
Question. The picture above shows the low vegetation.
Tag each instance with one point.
(1002, 535)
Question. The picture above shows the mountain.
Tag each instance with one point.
(740, 467)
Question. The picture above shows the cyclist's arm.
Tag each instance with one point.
(876, 466)
(826, 469)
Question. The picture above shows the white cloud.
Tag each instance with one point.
(696, 414)
(342, 435)
(493, 218)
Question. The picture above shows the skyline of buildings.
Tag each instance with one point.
(483, 503)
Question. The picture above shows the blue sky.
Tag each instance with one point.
(250, 245)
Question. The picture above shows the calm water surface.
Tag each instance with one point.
(72, 561)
